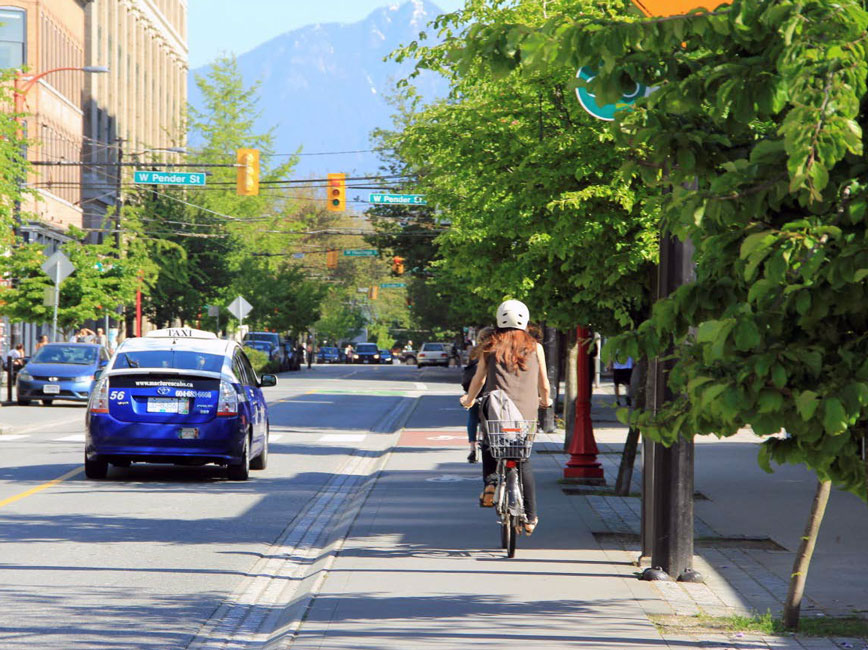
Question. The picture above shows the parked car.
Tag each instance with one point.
(433, 354)
(60, 371)
(179, 396)
(328, 355)
(366, 353)
(386, 356)
(274, 339)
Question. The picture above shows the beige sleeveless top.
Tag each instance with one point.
(522, 388)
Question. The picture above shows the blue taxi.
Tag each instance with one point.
(178, 396)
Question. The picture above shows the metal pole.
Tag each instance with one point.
(672, 528)
(119, 201)
(56, 300)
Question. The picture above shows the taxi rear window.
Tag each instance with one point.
(367, 347)
(177, 359)
(433, 347)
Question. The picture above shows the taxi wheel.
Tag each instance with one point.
(261, 461)
(95, 468)
(23, 402)
(47, 402)
(241, 472)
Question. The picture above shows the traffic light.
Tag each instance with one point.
(398, 265)
(373, 292)
(337, 192)
(247, 183)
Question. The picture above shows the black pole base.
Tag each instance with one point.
(689, 575)
(655, 573)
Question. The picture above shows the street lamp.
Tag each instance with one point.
(24, 82)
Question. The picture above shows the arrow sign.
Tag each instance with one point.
(360, 252)
(58, 267)
(240, 308)
(393, 285)
(169, 178)
(398, 199)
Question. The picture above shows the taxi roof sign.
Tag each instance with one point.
(180, 333)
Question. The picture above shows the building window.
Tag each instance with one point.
(12, 38)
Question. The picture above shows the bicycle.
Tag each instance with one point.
(510, 442)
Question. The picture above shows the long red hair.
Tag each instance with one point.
(510, 347)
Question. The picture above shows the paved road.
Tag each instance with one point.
(150, 557)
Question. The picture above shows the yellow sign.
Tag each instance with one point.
(675, 7)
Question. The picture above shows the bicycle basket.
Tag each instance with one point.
(511, 439)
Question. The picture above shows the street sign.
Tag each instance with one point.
(362, 290)
(606, 111)
(661, 8)
(398, 199)
(58, 267)
(213, 311)
(169, 178)
(298, 256)
(393, 285)
(240, 308)
(360, 252)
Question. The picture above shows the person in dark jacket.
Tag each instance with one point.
(466, 378)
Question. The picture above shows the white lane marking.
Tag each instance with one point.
(420, 386)
(246, 619)
(11, 438)
(342, 437)
(275, 438)
(77, 437)
(446, 438)
(451, 478)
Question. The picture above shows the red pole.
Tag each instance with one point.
(582, 466)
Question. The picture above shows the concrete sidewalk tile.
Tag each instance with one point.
(817, 643)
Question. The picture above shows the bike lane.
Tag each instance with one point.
(421, 566)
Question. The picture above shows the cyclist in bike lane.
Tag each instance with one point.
(513, 361)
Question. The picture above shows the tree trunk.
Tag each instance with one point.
(628, 456)
(572, 386)
(552, 350)
(793, 604)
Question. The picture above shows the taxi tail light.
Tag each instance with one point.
(228, 403)
(99, 398)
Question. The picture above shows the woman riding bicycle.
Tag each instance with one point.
(513, 361)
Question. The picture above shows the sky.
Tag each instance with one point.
(216, 27)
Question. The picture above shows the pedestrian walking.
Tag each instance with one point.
(43, 341)
(309, 354)
(101, 337)
(16, 356)
(621, 374)
(467, 377)
(514, 362)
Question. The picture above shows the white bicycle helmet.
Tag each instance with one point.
(514, 314)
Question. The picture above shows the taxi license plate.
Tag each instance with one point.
(168, 405)
(51, 389)
(188, 434)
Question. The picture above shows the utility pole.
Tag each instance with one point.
(119, 199)
(672, 485)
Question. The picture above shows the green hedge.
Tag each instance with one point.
(261, 364)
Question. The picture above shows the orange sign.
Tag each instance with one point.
(675, 7)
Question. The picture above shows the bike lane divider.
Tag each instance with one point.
(270, 603)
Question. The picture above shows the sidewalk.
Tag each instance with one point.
(422, 568)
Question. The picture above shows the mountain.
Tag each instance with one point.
(324, 87)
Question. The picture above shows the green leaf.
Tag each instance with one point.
(747, 335)
(834, 417)
(807, 402)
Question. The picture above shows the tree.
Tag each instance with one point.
(760, 112)
(102, 281)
